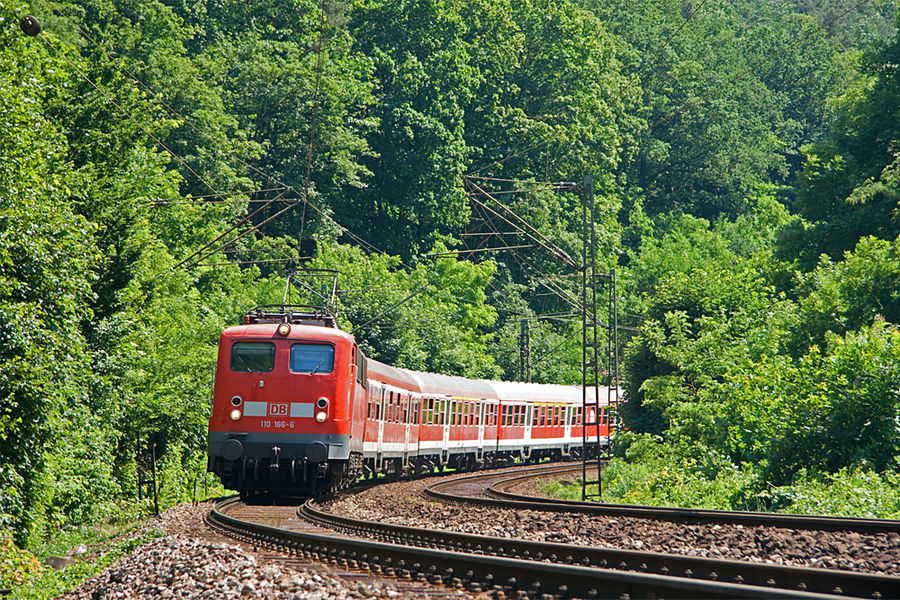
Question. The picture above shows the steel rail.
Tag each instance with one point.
(517, 577)
(774, 579)
(505, 499)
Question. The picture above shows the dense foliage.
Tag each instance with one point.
(163, 163)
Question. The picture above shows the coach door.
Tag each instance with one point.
(482, 418)
(447, 409)
(407, 420)
(379, 446)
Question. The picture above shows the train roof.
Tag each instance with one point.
(535, 392)
(462, 387)
(445, 385)
(298, 332)
(393, 375)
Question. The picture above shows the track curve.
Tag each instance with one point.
(497, 493)
(519, 568)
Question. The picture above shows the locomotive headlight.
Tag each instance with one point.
(322, 403)
(284, 329)
(321, 416)
(235, 415)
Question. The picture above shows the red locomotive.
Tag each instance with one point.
(297, 407)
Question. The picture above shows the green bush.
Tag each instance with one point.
(851, 492)
(17, 566)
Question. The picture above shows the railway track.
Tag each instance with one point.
(510, 568)
(497, 492)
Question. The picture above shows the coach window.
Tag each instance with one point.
(312, 358)
(253, 357)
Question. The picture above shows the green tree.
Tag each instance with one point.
(849, 187)
(47, 257)
(423, 81)
(832, 409)
(441, 327)
(852, 294)
(728, 98)
(293, 82)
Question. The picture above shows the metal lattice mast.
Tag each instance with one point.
(590, 350)
(525, 351)
(613, 359)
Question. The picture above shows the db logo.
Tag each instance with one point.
(278, 410)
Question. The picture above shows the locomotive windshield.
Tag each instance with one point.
(312, 358)
(253, 357)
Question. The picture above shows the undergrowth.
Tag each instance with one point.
(92, 547)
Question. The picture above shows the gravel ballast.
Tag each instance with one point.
(191, 561)
(404, 503)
